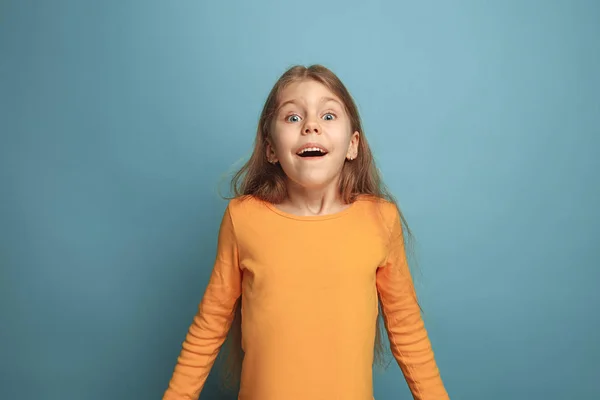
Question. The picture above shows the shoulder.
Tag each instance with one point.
(379, 206)
(377, 216)
(244, 205)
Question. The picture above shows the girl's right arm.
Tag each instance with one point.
(211, 324)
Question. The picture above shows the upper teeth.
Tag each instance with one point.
(311, 149)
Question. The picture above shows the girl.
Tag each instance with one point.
(311, 248)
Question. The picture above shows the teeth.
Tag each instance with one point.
(311, 149)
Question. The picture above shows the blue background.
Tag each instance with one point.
(120, 120)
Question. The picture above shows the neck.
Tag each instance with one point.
(313, 201)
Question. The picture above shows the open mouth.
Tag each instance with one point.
(312, 152)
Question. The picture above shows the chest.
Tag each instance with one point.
(312, 257)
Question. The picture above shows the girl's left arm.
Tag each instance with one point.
(409, 341)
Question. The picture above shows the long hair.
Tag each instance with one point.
(263, 180)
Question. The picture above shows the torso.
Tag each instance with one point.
(309, 299)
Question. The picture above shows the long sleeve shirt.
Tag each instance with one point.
(309, 288)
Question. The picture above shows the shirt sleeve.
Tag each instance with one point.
(409, 341)
(212, 322)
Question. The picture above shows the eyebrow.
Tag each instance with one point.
(324, 99)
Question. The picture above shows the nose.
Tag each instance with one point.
(311, 127)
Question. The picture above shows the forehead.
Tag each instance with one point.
(307, 92)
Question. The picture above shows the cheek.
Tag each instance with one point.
(342, 140)
(282, 142)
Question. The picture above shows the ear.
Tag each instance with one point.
(353, 146)
(270, 153)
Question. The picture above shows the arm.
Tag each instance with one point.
(212, 322)
(409, 341)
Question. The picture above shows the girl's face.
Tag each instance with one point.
(311, 135)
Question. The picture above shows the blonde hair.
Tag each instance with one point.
(267, 182)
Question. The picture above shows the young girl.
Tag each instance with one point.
(311, 247)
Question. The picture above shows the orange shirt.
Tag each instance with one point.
(309, 290)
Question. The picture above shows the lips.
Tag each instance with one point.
(311, 150)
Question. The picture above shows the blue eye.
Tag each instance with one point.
(292, 116)
(330, 114)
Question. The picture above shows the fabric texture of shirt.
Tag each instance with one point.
(309, 290)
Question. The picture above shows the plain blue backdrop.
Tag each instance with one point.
(120, 120)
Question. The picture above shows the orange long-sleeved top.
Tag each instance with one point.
(309, 287)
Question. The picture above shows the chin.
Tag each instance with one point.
(314, 181)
